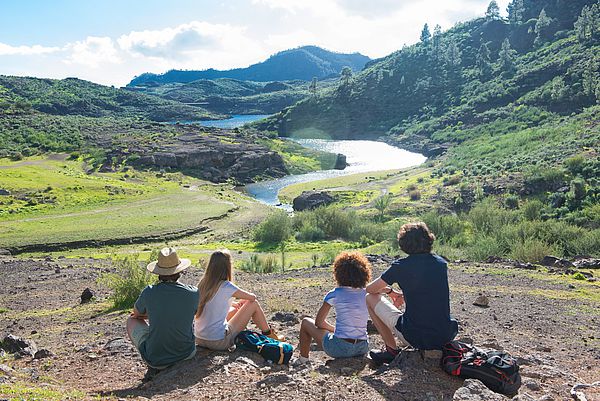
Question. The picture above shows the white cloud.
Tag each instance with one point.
(8, 50)
(92, 52)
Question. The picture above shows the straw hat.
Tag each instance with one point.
(168, 263)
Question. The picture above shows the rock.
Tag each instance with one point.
(20, 346)
(43, 353)
(87, 295)
(286, 317)
(492, 343)
(587, 263)
(523, 397)
(546, 397)
(474, 390)
(4, 252)
(340, 162)
(274, 380)
(553, 261)
(6, 370)
(521, 265)
(4, 192)
(482, 301)
(308, 200)
(118, 345)
(532, 385)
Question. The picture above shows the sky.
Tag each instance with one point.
(111, 41)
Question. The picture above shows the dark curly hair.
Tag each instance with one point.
(415, 238)
(351, 269)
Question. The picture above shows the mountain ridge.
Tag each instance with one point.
(302, 63)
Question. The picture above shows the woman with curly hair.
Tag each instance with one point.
(352, 271)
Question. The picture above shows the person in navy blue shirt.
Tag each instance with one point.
(422, 276)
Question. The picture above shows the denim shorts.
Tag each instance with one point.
(335, 347)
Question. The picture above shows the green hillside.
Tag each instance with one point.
(431, 94)
(73, 96)
(232, 96)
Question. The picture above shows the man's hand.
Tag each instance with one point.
(397, 298)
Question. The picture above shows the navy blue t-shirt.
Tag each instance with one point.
(426, 323)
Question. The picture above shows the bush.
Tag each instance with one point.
(257, 264)
(532, 210)
(484, 247)
(531, 250)
(414, 195)
(127, 282)
(448, 229)
(275, 229)
(487, 217)
(511, 202)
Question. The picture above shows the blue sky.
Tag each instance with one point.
(109, 42)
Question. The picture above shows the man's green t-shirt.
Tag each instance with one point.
(170, 308)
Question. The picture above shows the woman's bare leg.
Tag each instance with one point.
(308, 331)
(250, 310)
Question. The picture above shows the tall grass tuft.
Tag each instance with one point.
(127, 282)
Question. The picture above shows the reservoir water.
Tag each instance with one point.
(361, 156)
(236, 120)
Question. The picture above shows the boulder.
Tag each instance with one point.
(87, 295)
(553, 261)
(587, 263)
(482, 301)
(43, 353)
(4, 192)
(340, 162)
(309, 200)
(474, 390)
(19, 346)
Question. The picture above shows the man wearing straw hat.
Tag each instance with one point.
(160, 326)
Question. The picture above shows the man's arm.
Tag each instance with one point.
(378, 286)
(136, 314)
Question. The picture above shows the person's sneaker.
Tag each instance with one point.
(301, 361)
(381, 357)
(273, 334)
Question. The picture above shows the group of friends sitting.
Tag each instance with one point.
(170, 319)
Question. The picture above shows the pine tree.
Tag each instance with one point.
(587, 25)
(541, 27)
(591, 79)
(346, 75)
(312, 88)
(425, 34)
(506, 57)
(516, 10)
(484, 60)
(436, 41)
(453, 54)
(493, 11)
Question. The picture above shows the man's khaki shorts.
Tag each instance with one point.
(389, 314)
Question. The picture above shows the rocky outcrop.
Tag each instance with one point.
(309, 200)
(340, 162)
(215, 158)
(19, 346)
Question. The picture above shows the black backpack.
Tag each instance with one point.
(498, 370)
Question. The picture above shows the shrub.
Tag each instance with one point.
(381, 204)
(531, 250)
(575, 164)
(484, 247)
(275, 229)
(127, 282)
(257, 264)
(448, 229)
(511, 202)
(414, 195)
(487, 217)
(532, 210)
(587, 244)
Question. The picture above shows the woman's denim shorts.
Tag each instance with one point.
(335, 347)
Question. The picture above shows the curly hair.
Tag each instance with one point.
(351, 269)
(415, 238)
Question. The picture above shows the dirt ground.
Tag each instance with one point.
(551, 323)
